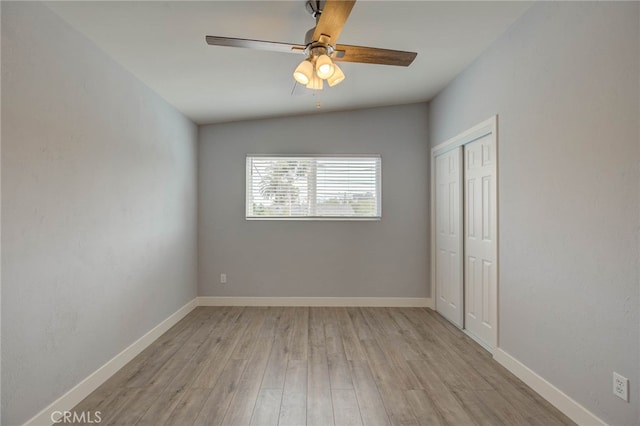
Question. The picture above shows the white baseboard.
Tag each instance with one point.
(98, 377)
(391, 302)
(555, 396)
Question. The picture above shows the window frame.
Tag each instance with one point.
(248, 188)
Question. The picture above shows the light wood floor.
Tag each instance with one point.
(316, 366)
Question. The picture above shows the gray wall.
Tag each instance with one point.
(386, 258)
(564, 81)
(98, 209)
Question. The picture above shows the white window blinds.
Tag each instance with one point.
(313, 187)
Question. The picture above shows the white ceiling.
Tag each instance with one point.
(162, 44)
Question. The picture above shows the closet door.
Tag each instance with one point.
(448, 244)
(480, 218)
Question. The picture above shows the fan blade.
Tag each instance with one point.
(333, 17)
(373, 55)
(273, 46)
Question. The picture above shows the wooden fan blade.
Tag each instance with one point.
(272, 46)
(373, 55)
(333, 17)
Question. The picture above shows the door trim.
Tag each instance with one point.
(487, 127)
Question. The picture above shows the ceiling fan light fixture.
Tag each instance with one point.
(324, 67)
(316, 83)
(337, 77)
(304, 72)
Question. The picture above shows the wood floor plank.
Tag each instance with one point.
(445, 402)
(453, 370)
(215, 407)
(352, 348)
(339, 374)
(421, 404)
(226, 340)
(150, 370)
(394, 351)
(244, 400)
(382, 371)
(316, 366)
(209, 371)
(135, 407)
(389, 367)
(276, 369)
(372, 409)
(267, 408)
(488, 408)
(398, 408)
(405, 327)
(416, 317)
(272, 316)
(319, 403)
(379, 320)
(284, 326)
(360, 325)
(158, 413)
(255, 320)
(405, 348)
(345, 407)
(293, 410)
(316, 327)
(300, 333)
(373, 320)
(193, 367)
(98, 399)
(229, 321)
(389, 364)
(187, 409)
(115, 407)
(280, 350)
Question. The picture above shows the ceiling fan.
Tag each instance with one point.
(320, 46)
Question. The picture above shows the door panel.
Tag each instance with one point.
(449, 291)
(480, 283)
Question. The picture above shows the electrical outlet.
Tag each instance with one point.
(620, 386)
(223, 278)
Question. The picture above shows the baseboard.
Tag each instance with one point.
(98, 377)
(555, 396)
(399, 302)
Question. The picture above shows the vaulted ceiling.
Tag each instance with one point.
(163, 45)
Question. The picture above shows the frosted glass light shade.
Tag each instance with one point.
(304, 72)
(324, 67)
(337, 77)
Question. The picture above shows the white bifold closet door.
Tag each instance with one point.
(480, 221)
(449, 244)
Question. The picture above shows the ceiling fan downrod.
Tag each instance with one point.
(314, 7)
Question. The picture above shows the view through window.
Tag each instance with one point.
(308, 187)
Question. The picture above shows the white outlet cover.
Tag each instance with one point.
(620, 386)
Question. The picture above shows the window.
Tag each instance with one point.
(313, 187)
